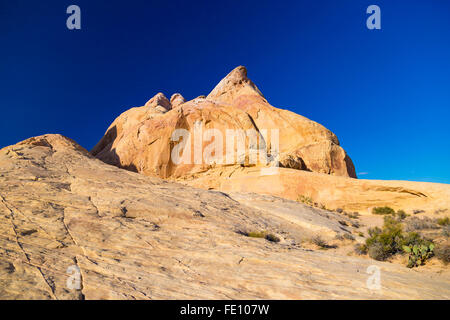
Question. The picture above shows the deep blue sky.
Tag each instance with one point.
(385, 93)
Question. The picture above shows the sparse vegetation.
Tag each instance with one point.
(310, 202)
(443, 221)
(318, 241)
(418, 254)
(414, 223)
(442, 252)
(360, 249)
(305, 199)
(418, 211)
(389, 240)
(446, 231)
(261, 234)
(383, 210)
(401, 215)
(354, 215)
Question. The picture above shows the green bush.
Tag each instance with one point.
(383, 210)
(401, 215)
(360, 249)
(263, 234)
(389, 240)
(386, 241)
(443, 221)
(305, 199)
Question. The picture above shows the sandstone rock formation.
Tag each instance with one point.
(140, 139)
(331, 191)
(138, 237)
(312, 162)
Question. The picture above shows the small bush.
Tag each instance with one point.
(443, 221)
(415, 223)
(446, 231)
(385, 242)
(442, 252)
(272, 238)
(401, 215)
(263, 235)
(378, 252)
(318, 241)
(256, 234)
(305, 199)
(348, 236)
(383, 210)
(360, 249)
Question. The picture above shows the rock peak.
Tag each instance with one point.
(159, 100)
(236, 83)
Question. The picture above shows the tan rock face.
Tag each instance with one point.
(137, 237)
(141, 139)
(331, 191)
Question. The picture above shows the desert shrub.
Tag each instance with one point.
(401, 215)
(318, 241)
(415, 223)
(360, 249)
(446, 231)
(272, 238)
(348, 236)
(383, 210)
(386, 241)
(442, 252)
(262, 234)
(305, 199)
(355, 224)
(418, 211)
(378, 252)
(443, 221)
(389, 240)
(256, 234)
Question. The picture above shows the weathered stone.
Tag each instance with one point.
(138, 237)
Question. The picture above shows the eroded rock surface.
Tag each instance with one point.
(137, 237)
(140, 139)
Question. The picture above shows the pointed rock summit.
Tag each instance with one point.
(159, 101)
(236, 83)
(176, 100)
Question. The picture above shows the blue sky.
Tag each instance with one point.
(385, 93)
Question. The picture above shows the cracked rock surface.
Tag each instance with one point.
(137, 237)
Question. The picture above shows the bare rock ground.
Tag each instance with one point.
(137, 237)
